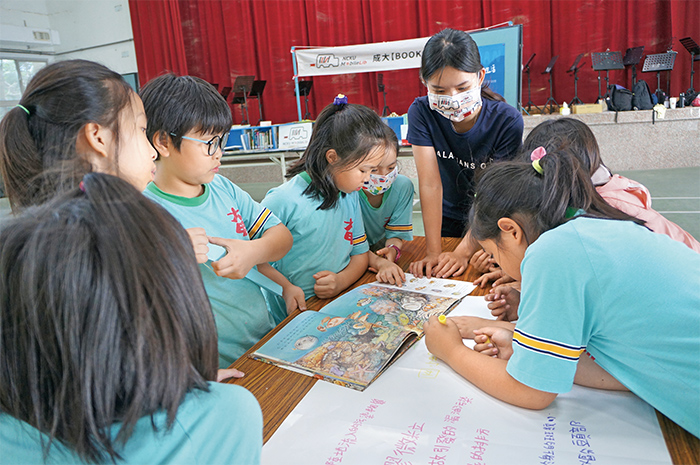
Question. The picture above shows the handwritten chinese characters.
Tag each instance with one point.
(350, 438)
(579, 438)
(405, 446)
(547, 457)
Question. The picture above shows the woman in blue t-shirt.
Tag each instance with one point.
(456, 130)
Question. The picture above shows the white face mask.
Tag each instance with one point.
(379, 184)
(456, 107)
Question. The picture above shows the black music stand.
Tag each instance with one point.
(241, 87)
(530, 103)
(550, 101)
(657, 63)
(225, 91)
(574, 69)
(304, 89)
(605, 61)
(632, 57)
(382, 89)
(694, 51)
(256, 92)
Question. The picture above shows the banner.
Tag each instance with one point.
(363, 58)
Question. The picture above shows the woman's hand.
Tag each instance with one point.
(481, 261)
(425, 266)
(450, 264)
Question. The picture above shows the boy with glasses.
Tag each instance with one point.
(188, 124)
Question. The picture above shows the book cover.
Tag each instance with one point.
(354, 338)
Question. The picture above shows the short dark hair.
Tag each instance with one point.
(538, 202)
(353, 131)
(565, 134)
(101, 321)
(179, 104)
(38, 157)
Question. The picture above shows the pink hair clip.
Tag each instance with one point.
(538, 153)
(536, 156)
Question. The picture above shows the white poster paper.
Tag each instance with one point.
(421, 412)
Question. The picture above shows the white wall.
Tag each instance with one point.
(97, 30)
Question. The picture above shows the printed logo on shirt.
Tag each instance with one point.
(238, 219)
(464, 164)
(348, 230)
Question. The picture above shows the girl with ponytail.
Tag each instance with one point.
(75, 117)
(320, 204)
(601, 295)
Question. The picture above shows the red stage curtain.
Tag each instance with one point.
(158, 38)
(221, 39)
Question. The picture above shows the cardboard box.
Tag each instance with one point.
(587, 108)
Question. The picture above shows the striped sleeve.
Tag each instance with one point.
(399, 227)
(259, 223)
(547, 346)
(359, 240)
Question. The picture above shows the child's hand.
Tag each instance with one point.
(467, 324)
(442, 339)
(496, 342)
(237, 262)
(387, 252)
(485, 278)
(326, 284)
(294, 298)
(481, 261)
(389, 272)
(504, 302)
(199, 240)
(227, 373)
(504, 279)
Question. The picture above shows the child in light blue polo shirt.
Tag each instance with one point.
(108, 342)
(603, 302)
(386, 201)
(188, 124)
(320, 204)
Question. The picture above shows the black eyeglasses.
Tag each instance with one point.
(213, 144)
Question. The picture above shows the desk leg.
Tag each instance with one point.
(284, 166)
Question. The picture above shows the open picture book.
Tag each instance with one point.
(354, 338)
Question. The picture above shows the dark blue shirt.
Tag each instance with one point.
(496, 135)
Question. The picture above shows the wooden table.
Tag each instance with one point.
(279, 391)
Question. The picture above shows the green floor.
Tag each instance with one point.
(675, 194)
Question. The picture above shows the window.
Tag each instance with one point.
(16, 74)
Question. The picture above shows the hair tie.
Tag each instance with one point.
(23, 108)
(340, 99)
(536, 156)
(82, 186)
